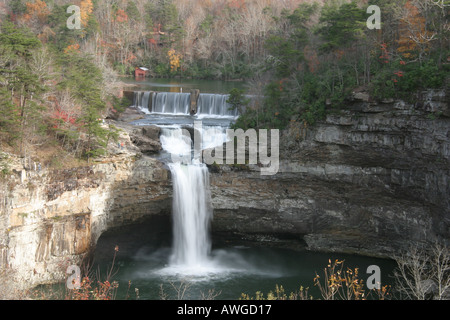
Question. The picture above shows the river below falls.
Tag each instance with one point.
(231, 271)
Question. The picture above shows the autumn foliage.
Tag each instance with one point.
(86, 9)
(413, 33)
(175, 60)
(72, 48)
(121, 16)
(305, 56)
(39, 9)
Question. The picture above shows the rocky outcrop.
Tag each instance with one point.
(372, 179)
(147, 139)
(52, 218)
(193, 106)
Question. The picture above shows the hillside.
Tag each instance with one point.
(306, 58)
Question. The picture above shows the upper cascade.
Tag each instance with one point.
(171, 103)
(178, 103)
(215, 105)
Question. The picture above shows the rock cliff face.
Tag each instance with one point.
(370, 180)
(53, 218)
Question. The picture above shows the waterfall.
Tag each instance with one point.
(171, 103)
(191, 214)
(191, 208)
(215, 105)
(141, 100)
(177, 103)
(174, 142)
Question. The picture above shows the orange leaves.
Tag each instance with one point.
(97, 290)
(103, 291)
(130, 57)
(72, 48)
(37, 9)
(399, 74)
(121, 16)
(384, 53)
(86, 8)
(64, 117)
(385, 57)
(413, 31)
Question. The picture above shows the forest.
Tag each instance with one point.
(303, 58)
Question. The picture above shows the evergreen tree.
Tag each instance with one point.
(132, 11)
(17, 45)
(17, 7)
(96, 135)
(19, 40)
(84, 80)
(341, 25)
(10, 120)
(168, 17)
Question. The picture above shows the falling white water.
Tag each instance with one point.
(171, 103)
(191, 214)
(209, 105)
(213, 136)
(175, 142)
(215, 105)
(141, 101)
(191, 255)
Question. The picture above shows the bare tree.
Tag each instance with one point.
(441, 262)
(212, 294)
(424, 273)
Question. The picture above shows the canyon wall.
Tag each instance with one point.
(51, 219)
(371, 179)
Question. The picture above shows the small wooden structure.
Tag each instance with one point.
(140, 72)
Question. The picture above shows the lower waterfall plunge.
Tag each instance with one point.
(191, 214)
(192, 255)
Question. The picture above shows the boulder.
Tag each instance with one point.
(147, 139)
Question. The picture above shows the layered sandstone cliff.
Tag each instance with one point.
(372, 179)
(53, 218)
